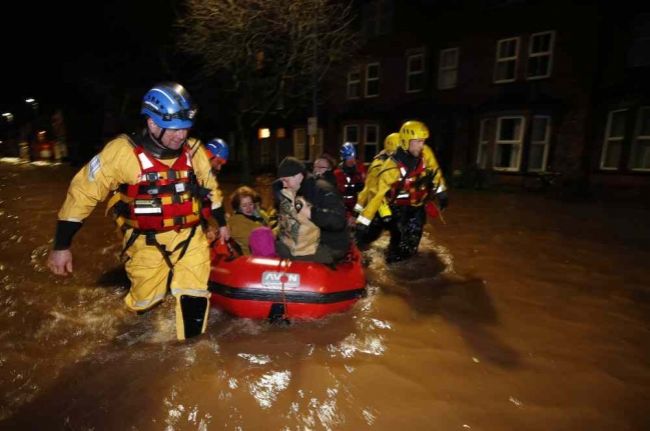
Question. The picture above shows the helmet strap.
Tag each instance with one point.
(159, 137)
(155, 146)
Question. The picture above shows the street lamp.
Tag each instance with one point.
(32, 102)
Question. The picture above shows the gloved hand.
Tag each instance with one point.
(443, 200)
(360, 229)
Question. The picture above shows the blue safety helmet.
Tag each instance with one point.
(348, 151)
(218, 148)
(169, 105)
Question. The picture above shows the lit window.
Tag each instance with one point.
(448, 68)
(613, 144)
(505, 67)
(509, 139)
(540, 55)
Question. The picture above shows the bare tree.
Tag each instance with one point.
(270, 56)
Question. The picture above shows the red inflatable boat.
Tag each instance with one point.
(261, 288)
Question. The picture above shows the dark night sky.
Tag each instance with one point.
(53, 49)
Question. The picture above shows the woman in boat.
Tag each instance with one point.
(248, 217)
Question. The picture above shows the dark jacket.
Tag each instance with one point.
(329, 177)
(327, 212)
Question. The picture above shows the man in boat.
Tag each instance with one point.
(158, 180)
(324, 167)
(409, 182)
(311, 216)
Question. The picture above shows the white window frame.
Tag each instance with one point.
(351, 83)
(483, 144)
(366, 142)
(444, 69)
(637, 138)
(548, 54)
(346, 134)
(516, 142)
(544, 142)
(410, 73)
(499, 60)
(607, 139)
(369, 79)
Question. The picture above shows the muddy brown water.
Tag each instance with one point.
(520, 313)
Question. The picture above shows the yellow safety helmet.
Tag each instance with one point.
(412, 130)
(391, 142)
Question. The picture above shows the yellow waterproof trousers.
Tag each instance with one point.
(151, 276)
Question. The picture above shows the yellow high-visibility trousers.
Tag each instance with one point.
(149, 273)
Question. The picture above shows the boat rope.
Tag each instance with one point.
(283, 279)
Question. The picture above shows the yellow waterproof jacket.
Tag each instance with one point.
(371, 179)
(430, 161)
(388, 174)
(117, 164)
(242, 226)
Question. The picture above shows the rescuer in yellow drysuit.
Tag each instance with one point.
(158, 181)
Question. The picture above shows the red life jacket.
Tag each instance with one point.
(165, 198)
(349, 185)
(409, 189)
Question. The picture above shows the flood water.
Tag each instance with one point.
(520, 313)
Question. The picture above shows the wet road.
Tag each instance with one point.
(520, 313)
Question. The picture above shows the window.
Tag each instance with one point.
(265, 152)
(371, 141)
(372, 80)
(540, 55)
(351, 134)
(299, 143)
(448, 68)
(483, 141)
(509, 138)
(540, 135)
(354, 84)
(614, 135)
(505, 67)
(640, 155)
(638, 54)
(415, 73)
(377, 18)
